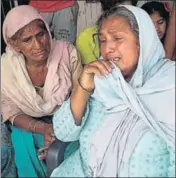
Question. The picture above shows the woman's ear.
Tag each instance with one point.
(13, 44)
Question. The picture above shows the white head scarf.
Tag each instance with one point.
(147, 102)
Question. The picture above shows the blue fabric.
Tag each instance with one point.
(159, 159)
(26, 145)
(8, 168)
(128, 104)
(144, 161)
(121, 118)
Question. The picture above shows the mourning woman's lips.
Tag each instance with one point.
(116, 59)
(40, 52)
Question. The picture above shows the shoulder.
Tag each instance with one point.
(3, 56)
(162, 75)
(73, 53)
(65, 45)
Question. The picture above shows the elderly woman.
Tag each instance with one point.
(37, 75)
(87, 42)
(126, 127)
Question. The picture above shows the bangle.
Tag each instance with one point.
(89, 92)
(39, 121)
(33, 121)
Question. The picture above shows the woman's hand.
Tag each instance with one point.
(48, 134)
(99, 68)
(49, 137)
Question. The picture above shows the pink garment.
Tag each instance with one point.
(16, 83)
(17, 18)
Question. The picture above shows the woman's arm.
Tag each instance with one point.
(80, 96)
(27, 123)
(64, 125)
(78, 103)
(11, 112)
(169, 43)
(71, 116)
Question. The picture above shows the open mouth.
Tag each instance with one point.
(114, 59)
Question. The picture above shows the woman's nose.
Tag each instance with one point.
(157, 27)
(36, 43)
(110, 48)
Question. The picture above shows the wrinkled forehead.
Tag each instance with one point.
(18, 18)
(116, 22)
(27, 30)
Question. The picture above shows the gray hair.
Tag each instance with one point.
(122, 12)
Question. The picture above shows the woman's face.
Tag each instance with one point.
(160, 24)
(34, 42)
(118, 43)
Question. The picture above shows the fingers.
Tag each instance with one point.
(43, 152)
(42, 149)
(42, 156)
(49, 140)
(99, 68)
(94, 70)
(108, 65)
(49, 135)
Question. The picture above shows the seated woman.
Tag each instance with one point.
(37, 75)
(159, 16)
(8, 168)
(126, 128)
(169, 42)
(87, 41)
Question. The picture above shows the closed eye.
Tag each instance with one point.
(40, 34)
(118, 38)
(161, 21)
(102, 40)
(26, 40)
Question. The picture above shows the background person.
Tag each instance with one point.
(61, 16)
(159, 16)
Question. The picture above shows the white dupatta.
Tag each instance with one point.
(146, 102)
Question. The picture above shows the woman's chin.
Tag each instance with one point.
(160, 36)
